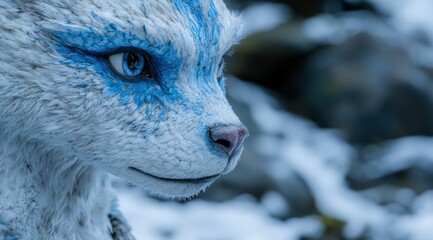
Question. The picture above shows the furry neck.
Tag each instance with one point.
(45, 195)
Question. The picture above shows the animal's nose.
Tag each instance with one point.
(229, 138)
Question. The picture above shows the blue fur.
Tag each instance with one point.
(84, 49)
(205, 29)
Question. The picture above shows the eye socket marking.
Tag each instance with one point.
(131, 65)
(134, 65)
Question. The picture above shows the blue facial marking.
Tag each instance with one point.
(88, 48)
(205, 29)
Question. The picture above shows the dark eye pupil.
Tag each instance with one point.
(133, 61)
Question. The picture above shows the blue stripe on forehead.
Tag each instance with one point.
(205, 30)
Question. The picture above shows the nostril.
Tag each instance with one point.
(228, 138)
(224, 143)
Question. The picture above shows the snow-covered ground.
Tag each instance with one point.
(322, 160)
(237, 219)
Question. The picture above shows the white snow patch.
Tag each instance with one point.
(275, 204)
(322, 160)
(400, 154)
(260, 17)
(239, 219)
(409, 16)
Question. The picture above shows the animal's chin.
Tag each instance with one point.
(171, 187)
(179, 188)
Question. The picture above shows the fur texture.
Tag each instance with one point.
(67, 118)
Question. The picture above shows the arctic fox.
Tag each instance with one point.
(90, 87)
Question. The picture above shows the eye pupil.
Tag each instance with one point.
(134, 64)
(132, 61)
(131, 65)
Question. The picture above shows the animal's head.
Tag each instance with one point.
(133, 87)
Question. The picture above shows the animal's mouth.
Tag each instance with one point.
(179, 180)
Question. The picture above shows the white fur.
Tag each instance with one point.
(58, 140)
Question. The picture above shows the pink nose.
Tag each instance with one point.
(229, 138)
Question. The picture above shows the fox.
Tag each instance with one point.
(93, 88)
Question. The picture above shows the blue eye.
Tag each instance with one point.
(130, 65)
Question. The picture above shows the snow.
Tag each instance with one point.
(412, 19)
(322, 160)
(417, 226)
(275, 204)
(337, 29)
(409, 16)
(398, 155)
(239, 219)
(318, 156)
(260, 17)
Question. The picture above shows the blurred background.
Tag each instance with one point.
(338, 98)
